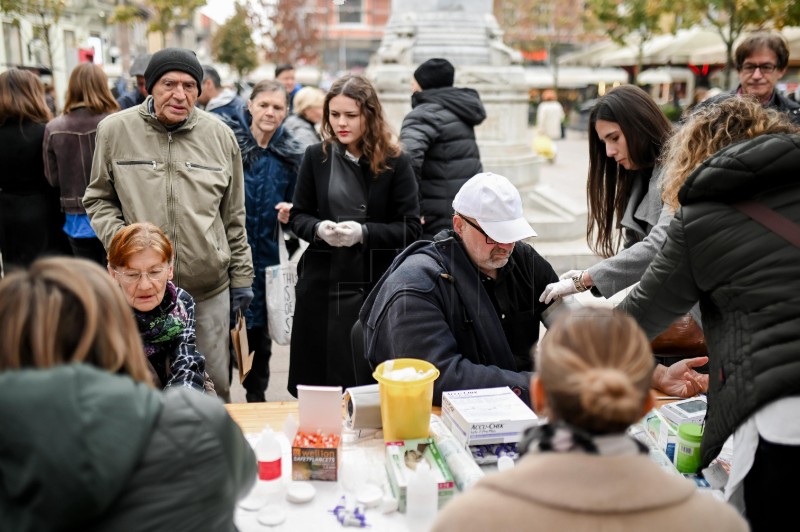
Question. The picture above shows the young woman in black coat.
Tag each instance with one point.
(356, 204)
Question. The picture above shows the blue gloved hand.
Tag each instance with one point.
(240, 299)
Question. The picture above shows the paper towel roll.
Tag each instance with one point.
(363, 407)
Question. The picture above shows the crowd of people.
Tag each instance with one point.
(413, 251)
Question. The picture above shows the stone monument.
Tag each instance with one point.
(466, 33)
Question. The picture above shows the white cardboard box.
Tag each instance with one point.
(487, 415)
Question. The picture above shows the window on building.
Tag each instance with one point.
(12, 43)
(350, 12)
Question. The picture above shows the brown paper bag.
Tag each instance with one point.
(244, 357)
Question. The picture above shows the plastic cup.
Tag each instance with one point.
(405, 404)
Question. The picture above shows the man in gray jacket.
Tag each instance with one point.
(180, 168)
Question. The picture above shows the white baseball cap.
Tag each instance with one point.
(496, 205)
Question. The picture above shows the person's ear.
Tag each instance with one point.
(169, 272)
(538, 396)
(111, 271)
(458, 225)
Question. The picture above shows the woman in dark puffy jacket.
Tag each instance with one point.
(727, 159)
(271, 158)
(68, 151)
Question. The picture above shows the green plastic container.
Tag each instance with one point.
(687, 455)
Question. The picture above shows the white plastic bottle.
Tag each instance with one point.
(422, 497)
(268, 454)
(268, 486)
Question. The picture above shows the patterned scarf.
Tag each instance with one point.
(561, 437)
(163, 324)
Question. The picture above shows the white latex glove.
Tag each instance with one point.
(326, 230)
(562, 288)
(349, 233)
(570, 274)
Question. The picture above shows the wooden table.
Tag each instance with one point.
(251, 417)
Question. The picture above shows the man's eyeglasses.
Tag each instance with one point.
(765, 68)
(489, 240)
(155, 276)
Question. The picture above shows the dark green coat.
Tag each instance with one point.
(82, 449)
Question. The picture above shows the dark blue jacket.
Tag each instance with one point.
(270, 175)
(131, 99)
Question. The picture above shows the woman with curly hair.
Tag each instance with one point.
(356, 204)
(732, 174)
(580, 470)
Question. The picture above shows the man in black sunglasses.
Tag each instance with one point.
(468, 302)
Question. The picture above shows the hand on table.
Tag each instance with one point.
(680, 379)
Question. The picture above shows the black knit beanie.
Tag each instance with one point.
(170, 59)
(435, 73)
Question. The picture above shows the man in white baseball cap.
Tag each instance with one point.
(467, 302)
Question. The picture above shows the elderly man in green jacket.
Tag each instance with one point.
(180, 168)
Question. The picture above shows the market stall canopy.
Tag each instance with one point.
(657, 76)
(542, 77)
(664, 49)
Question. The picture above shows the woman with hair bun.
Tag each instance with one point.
(87, 442)
(580, 470)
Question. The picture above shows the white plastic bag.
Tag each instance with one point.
(281, 279)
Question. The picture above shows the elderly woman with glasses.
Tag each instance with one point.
(140, 260)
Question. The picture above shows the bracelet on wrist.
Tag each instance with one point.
(577, 280)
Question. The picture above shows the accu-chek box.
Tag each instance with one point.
(487, 415)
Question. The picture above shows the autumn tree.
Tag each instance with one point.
(733, 17)
(630, 22)
(163, 16)
(233, 44)
(45, 14)
(290, 30)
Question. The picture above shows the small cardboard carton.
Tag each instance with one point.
(315, 447)
(484, 416)
(401, 459)
(663, 432)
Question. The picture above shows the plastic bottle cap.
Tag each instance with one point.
(369, 495)
(690, 432)
(504, 463)
(272, 515)
(300, 492)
